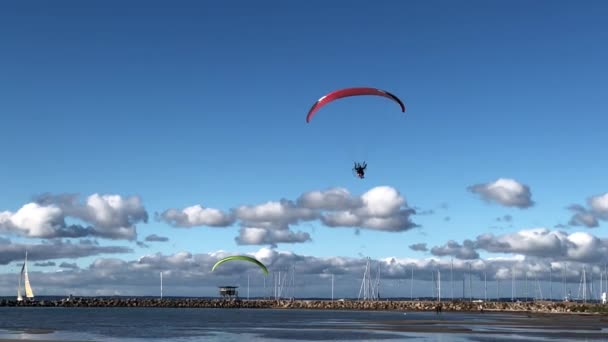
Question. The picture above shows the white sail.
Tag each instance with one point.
(28, 289)
(26, 280)
(19, 296)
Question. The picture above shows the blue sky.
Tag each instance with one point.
(205, 103)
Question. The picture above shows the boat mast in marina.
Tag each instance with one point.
(512, 284)
(583, 287)
(526, 284)
(452, 276)
(463, 285)
(564, 276)
(470, 284)
(367, 290)
(485, 285)
(378, 283)
(434, 283)
(550, 281)
(412, 285)
(332, 286)
(293, 282)
(439, 285)
(498, 289)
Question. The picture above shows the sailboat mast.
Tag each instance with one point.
(584, 285)
(439, 285)
(606, 274)
(332, 286)
(498, 289)
(485, 285)
(512, 284)
(19, 297)
(564, 281)
(161, 284)
(550, 282)
(412, 285)
(463, 285)
(452, 277)
(601, 281)
(434, 284)
(470, 284)
(526, 284)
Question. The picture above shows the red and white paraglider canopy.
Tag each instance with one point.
(338, 94)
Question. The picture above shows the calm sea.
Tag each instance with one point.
(188, 325)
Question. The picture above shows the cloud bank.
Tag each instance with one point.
(537, 243)
(54, 249)
(381, 208)
(188, 274)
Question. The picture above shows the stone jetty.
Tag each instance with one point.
(379, 305)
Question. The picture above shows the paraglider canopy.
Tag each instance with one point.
(243, 258)
(341, 93)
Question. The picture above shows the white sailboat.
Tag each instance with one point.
(29, 293)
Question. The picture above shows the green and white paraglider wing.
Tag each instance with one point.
(243, 258)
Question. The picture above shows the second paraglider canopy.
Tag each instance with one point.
(242, 258)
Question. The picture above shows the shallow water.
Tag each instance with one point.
(189, 325)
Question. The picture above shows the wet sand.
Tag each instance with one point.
(490, 326)
(560, 326)
(36, 340)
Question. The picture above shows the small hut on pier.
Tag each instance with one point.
(229, 291)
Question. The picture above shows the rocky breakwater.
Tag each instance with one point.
(119, 302)
(387, 305)
(382, 305)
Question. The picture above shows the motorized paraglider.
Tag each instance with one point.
(359, 168)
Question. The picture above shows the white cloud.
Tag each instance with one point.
(196, 215)
(504, 191)
(453, 248)
(72, 265)
(585, 247)
(330, 199)
(419, 247)
(269, 223)
(381, 208)
(33, 220)
(589, 217)
(582, 217)
(599, 205)
(156, 238)
(279, 213)
(109, 216)
(265, 236)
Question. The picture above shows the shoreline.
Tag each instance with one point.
(542, 307)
